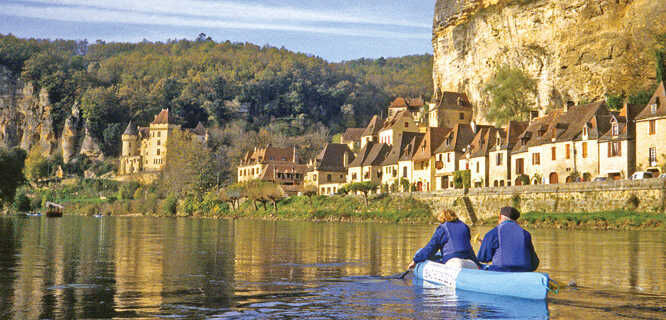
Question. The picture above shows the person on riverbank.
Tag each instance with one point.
(508, 246)
(452, 238)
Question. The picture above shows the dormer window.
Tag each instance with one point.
(653, 108)
(615, 129)
(586, 131)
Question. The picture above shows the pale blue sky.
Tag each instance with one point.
(333, 29)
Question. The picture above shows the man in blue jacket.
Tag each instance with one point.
(508, 246)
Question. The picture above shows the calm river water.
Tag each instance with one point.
(136, 267)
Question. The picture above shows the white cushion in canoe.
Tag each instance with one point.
(461, 264)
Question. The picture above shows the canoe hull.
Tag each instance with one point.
(526, 285)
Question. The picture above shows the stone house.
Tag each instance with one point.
(328, 171)
(499, 157)
(526, 153)
(414, 106)
(451, 109)
(405, 162)
(651, 133)
(352, 138)
(617, 147)
(144, 149)
(449, 153)
(367, 165)
(391, 164)
(424, 158)
(371, 132)
(477, 155)
(278, 165)
(395, 125)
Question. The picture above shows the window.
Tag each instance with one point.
(652, 156)
(653, 108)
(158, 134)
(499, 159)
(586, 131)
(406, 124)
(520, 166)
(404, 172)
(614, 149)
(353, 176)
(158, 152)
(584, 150)
(158, 142)
(615, 131)
(567, 151)
(553, 152)
(462, 116)
(536, 159)
(448, 157)
(652, 125)
(477, 167)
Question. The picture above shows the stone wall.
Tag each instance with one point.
(485, 203)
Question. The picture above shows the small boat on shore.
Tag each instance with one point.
(54, 210)
(526, 285)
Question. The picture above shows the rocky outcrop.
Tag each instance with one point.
(26, 121)
(576, 49)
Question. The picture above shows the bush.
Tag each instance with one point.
(169, 205)
(462, 179)
(36, 202)
(22, 202)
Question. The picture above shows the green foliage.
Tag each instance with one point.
(11, 174)
(515, 201)
(364, 188)
(36, 165)
(22, 202)
(615, 102)
(513, 95)
(126, 191)
(462, 179)
(525, 179)
(169, 205)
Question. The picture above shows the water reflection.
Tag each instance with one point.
(84, 267)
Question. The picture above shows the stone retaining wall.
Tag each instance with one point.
(484, 203)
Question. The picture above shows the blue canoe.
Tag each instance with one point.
(526, 285)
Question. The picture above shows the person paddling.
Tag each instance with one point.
(508, 246)
(452, 238)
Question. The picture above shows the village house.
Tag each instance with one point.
(450, 109)
(367, 166)
(617, 147)
(395, 125)
(391, 166)
(352, 138)
(328, 171)
(477, 153)
(272, 164)
(424, 158)
(144, 149)
(371, 132)
(414, 106)
(405, 162)
(526, 154)
(449, 153)
(499, 157)
(651, 133)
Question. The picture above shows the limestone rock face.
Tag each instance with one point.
(90, 146)
(70, 134)
(576, 49)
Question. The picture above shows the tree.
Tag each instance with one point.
(513, 95)
(310, 191)
(188, 167)
(273, 193)
(462, 179)
(364, 188)
(11, 172)
(36, 165)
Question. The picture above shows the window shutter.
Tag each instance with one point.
(609, 149)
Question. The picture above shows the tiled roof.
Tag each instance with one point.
(454, 101)
(625, 123)
(433, 139)
(401, 102)
(457, 139)
(407, 153)
(395, 120)
(372, 154)
(352, 134)
(131, 129)
(270, 153)
(331, 158)
(402, 141)
(658, 98)
(374, 126)
(483, 141)
(162, 117)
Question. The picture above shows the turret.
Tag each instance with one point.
(130, 141)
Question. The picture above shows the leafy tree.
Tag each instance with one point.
(512, 93)
(188, 167)
(364, 188)
(273, 193)
(310, 191)
(11, 172)
(36, 165)
(462, 179)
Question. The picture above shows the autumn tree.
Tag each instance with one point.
(513, 95)
(188, 168)
(36, 165)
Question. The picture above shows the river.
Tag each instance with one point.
(141, 267)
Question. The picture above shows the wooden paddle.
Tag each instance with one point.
(402, 276)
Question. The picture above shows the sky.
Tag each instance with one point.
(332, 29)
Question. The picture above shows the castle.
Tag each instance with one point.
(145, 148)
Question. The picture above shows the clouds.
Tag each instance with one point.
(224, 15)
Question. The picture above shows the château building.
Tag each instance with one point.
(144, 149)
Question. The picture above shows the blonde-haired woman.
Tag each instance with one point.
(452, 238)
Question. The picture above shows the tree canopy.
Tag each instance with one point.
(11, 172)
(512, 93)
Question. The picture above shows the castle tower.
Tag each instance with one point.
(130, 143)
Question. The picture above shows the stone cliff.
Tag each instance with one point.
(577, 50)
(26, 121)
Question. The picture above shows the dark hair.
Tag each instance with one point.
(510, 212)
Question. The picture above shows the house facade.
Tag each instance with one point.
(328, 171)
(651, 133)
(449, 155)
(424, 165)
(273, 164)
(499, 156)
(451, 109)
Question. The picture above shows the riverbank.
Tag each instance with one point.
(603, 220)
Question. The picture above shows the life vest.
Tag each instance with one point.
(458, 238)
(513, 252)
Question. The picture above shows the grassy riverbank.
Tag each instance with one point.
(603, 220)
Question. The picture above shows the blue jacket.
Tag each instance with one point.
(510, 249)
(452, 239)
